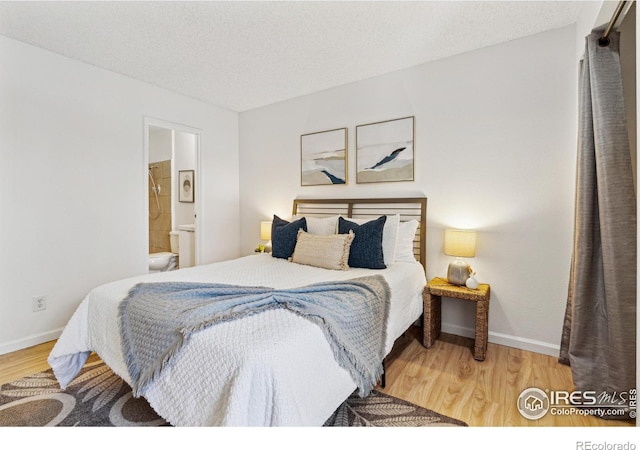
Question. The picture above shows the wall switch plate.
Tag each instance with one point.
(39, 303)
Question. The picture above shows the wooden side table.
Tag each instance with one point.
(432, 315)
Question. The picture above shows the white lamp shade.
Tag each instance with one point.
(460, 243)
(265, 231)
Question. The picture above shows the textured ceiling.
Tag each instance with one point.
(242, 55)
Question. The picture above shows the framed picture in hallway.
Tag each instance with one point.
(385, 151)
(185, 184)
(323, 158)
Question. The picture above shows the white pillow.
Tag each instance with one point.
(320, 225)
(404, 245)
(389, 236)
(326, 251)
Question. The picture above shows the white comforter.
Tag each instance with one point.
(270, 369)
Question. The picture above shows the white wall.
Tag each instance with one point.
(184, 159)
(495, 151)
(73, 180)
(160, 144)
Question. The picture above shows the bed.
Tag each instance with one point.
(274, 368)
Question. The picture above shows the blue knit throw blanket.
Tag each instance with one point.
(157, 320)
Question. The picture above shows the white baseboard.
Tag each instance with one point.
(521, 343)
(531, 345)
(29, 341)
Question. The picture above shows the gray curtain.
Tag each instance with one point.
(599, 334)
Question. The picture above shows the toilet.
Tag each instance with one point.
(164, 261)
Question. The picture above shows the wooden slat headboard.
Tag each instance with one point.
(408, 208)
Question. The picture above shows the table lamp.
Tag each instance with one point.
(461, 244)
(265, 235)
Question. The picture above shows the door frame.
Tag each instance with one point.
(160, 123)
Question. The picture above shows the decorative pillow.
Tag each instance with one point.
(389, 236)
(320, 225)
(329, 251)
(366, 248)
(283, 236)
(404, 247)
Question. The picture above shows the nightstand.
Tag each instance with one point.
(432, 315)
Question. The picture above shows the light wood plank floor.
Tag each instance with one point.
(444, 378)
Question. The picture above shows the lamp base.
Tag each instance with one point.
(458, 272)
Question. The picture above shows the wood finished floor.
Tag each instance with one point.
(444, 378)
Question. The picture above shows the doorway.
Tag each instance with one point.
(172, 183)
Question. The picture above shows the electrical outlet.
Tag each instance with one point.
(39, 303)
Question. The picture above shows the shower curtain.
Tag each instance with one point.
(599, 334)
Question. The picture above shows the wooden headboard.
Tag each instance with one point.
(408, 208)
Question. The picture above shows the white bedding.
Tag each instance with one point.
(270, 369)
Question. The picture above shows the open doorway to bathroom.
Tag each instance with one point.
(172, 180)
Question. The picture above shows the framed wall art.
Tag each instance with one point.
(185, 186)
(323, 157)
(385, 151)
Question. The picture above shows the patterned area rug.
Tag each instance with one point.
(98, 397)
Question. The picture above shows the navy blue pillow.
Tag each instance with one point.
(284, 235)
(366, 247)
